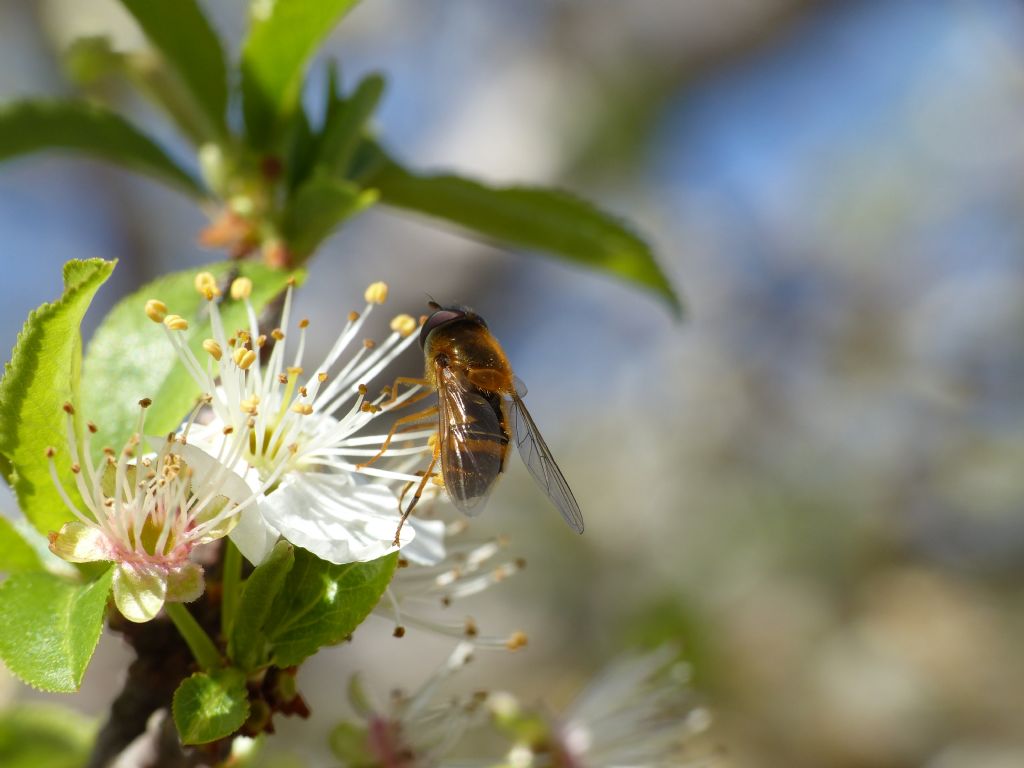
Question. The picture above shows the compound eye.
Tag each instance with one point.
(436, 320)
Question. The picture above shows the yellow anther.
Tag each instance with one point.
(176, 323)
(403, 325)
(241, 288)
(303, 391)
(206, 285)
(321, 377)
(244, 358)
(261, 340)
(516, 641)
(294, 370)
(353, 316)
(303, 408)
(304, 322)
(278, 334)
(282, 379)
(376, 293)
(250, 404)
(213, 348)
(156, 310)
(362, 390)
(471, 629)
(76, 468)
(369, 343)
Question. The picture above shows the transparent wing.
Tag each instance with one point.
(537, 457)
(473, 443)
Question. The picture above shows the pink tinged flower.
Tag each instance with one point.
(145, 511)
(305, 427)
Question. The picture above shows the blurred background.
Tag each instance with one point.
(815, 482)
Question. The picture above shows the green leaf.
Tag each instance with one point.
(530, 217)
(16, 554)
(322, 604)
(210, 706)
(283, 36)
(345, 123)
(131, 356)
(178, 29)
(317, 208)
(31, 126)
(51, 627)
(44, 736)
(41, 376)
(247, 646)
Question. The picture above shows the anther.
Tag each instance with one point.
(471, 628)
(92, 427)
(261, 340)
(376, 293)
(282, 379)
(321, 377)
(76, 468)
(369, 343)
(244, 358)
(403, 325)
(304, 409)
(249, 405)
(69, 409)
(213, 348)
(145, 402)
(206, 284)
(241, 288)
(516, 641)
(353, 316)
(156, 310)
(176, 323)
(399, 631)
(294, 371)
(362, 390)
(278, 334)
(304, 322)
(50, 451)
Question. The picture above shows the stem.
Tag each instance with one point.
(231, 583)
(202, 647)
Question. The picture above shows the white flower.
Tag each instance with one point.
(639, 712)
(411, 731)
(145, 511)
(304, 427)
(458, 568)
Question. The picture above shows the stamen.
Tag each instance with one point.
(241, 288)
(376, 293)
(206, 285)
(175, 323)
(213, 349)
(156, 310)
(403, 325)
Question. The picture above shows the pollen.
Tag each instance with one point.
(244, 358)
(304, 409)
(156, 310)
(403, 325)
(376, 293)
(176, 323)
(206, 285)
(241, 288)
(213, 348)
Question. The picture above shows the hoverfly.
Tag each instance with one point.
(477, 397)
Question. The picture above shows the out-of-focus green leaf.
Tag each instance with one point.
(344, 125)
(178, 29)
(322, 604)
(131, 356)
(247, 646)
(31, 126)
(531, 217)
(41, 376)
(283, 36)
(210, 706)
(318, 207)
(44, 736)
(51, 627)
(16, 554)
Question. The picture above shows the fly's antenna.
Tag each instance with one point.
(432, 303)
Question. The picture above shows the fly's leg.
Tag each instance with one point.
(416, 496)
(404, 424)
(410, 381)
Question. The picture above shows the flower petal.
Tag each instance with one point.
(185, 582)
(80, 543)
(334, 518)
(427, 548)
(254, 536)
(139, 591)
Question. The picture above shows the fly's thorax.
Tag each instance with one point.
(471, 349)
